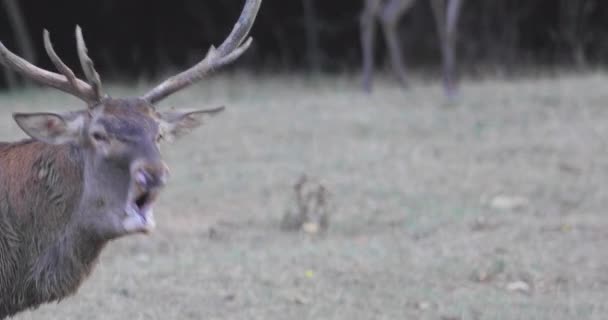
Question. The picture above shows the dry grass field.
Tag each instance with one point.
(490, 208)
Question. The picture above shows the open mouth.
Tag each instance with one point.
(139, 212)
(143, 201)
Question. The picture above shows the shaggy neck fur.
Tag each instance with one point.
(47, 248)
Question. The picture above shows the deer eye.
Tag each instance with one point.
(159, 138)
(100, 136)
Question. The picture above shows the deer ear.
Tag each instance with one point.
(177, 123)
(52, 128)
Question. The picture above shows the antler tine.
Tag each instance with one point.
(241, 28)
(230, 50)
(59, 64)
(87, 65)
(77, 88)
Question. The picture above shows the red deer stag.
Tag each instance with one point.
(389, 12)
(87, 177)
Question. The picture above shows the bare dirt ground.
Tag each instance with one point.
(491, 208)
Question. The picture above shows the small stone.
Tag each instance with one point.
(310, 227)
(504, 202)
(423, 305)
(518, 286)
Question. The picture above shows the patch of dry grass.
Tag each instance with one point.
(412, 235)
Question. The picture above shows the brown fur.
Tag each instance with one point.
(41, 258)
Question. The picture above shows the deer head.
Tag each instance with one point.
(118, 138)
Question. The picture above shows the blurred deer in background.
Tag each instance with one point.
(89, 176)
(389, 12)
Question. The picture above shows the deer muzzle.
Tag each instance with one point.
(147, 180)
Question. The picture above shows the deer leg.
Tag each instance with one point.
(446, 20)
(368, 38)
(453, 13)
(395, 51)
(390, 20)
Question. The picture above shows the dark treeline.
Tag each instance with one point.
(144, 37)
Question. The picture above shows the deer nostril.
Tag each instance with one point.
(144, 179)
(150, 179)
(140, 178)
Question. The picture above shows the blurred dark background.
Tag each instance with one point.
(144, 38)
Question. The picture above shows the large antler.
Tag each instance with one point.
(231, 49)
(66, 81)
